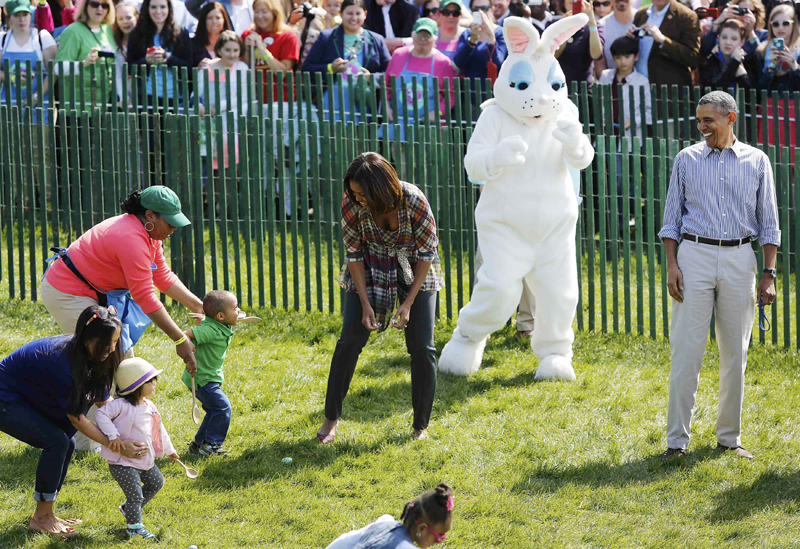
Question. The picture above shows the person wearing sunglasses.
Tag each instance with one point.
(601, 8)
(779, 54)
(120, 260)
(81, 45)
(615, 25)
(447, 18)
(480, 52)
(46, 388)
(425, 522)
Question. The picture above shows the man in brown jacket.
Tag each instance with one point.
(670, 49)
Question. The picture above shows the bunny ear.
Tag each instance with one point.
(560, 31)
(520, 35)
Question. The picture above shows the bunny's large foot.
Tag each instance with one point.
(461, 356)
(555, 367)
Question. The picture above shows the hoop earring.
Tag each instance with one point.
(152, 226)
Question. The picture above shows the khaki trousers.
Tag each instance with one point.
(66, 309)
(525, 311)
(722, 280)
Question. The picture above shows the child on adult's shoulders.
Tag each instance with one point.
(211, 339)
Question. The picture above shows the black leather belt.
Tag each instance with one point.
(717, 242)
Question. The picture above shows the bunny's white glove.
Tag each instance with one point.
(570, 133)
(509, 152)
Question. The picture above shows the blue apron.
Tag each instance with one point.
(134, 320)
(21, 58)
(411, 93)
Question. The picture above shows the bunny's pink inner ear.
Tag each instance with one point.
(518, 39)
(558, 40)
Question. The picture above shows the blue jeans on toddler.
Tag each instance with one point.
(217, 407)
(26, 424)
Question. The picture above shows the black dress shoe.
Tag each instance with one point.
(738, 450)
(674, 452)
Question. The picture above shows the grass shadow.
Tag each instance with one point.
(19, 469)
(769, 490)
(18, 535)
(601, 474)
(264, 462)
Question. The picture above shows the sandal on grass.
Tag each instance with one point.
(35, 526)
(70, 521)
(326, 438)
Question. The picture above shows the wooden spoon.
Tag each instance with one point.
(191, 473)
(249, 320)
(195, 410)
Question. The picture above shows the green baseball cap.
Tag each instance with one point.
(16, 6)
(426, 24)
(163, 201)
(444, 3)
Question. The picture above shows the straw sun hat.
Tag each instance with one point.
(132, 373)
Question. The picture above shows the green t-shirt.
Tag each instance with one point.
(211, 339)
(75, 43)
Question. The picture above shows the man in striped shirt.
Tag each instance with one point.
(721, 197)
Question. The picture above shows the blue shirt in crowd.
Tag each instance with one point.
(646, 43)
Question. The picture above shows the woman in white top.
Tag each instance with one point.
(127, 16)
(22, 43)
(228, 49)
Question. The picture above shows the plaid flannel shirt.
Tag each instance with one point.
(384, 253)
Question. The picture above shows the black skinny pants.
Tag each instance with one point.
(419, 342)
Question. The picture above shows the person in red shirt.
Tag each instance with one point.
(277, 47)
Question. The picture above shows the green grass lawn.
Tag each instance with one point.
(532, 464)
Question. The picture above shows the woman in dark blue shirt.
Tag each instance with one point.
(46, 387)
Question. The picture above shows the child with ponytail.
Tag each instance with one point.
(425, 522)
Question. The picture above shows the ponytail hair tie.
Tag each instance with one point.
(411, 505)
(451, 502)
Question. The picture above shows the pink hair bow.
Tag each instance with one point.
(451, 502)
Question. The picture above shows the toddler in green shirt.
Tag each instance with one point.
(211, 339)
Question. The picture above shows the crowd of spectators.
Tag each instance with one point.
(736, 43)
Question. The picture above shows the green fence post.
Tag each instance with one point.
(786, 243)
(6, 125)
(601, 200)
(651, 245)
(637, 194)
(614, 226)
(626, 236)
(282, 206)
(304, 189)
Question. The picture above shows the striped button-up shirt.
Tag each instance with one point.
(726, 194)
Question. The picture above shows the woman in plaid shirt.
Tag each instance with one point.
(391, 242)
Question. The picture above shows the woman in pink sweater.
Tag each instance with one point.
(124, 253)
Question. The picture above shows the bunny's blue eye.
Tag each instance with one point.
(520, 76)
(556, 77)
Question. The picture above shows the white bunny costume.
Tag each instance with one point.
(526, 217)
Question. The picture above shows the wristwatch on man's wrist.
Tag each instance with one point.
(773, 272)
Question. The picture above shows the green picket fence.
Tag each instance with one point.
(253, 230)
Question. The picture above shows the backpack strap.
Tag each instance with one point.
(64, 256)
